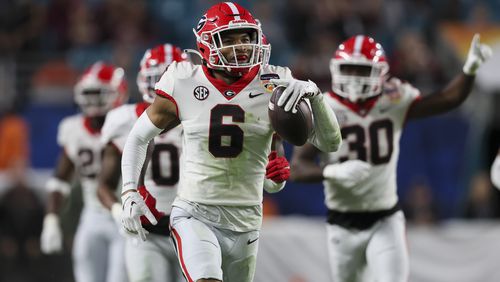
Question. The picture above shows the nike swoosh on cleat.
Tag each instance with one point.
(251, 95)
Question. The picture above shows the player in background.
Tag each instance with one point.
(155, 259)
(366, 227)
(227, 159)
(98, 246)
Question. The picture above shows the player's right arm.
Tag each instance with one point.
(161, 115)
(303, 165)
(108, 180)
(455, 93)
(58, 187)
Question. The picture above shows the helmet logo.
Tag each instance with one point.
(201, 93)
(201, 23)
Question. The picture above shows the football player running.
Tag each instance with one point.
(227, 160)
(155, 259)
(98, 246)
(365, 224)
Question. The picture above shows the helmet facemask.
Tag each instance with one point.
(357, 81)
(95, 101)
(242, 56)
(146, 81)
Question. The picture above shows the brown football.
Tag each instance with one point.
(294, 128)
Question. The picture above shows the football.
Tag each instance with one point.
(294, 128)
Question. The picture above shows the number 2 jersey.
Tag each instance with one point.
(227, 133)
(81, 144)
(162, 174)
(371, 133)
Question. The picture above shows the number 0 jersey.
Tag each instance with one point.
(227, 133)
(370, 133)
(82, 146)
(162, 174)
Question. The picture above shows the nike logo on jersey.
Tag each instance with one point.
(251, 241)
(251, 95)
(132, 203)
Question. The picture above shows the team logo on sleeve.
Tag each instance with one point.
(201, 93)
(264, 80)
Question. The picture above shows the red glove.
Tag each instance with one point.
(278, 168)
(151, 203)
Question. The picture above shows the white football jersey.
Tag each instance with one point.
(227, 133)
(162, 174)
(370, 133)
(81, 144)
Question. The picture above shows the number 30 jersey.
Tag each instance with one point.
(162, 175)
(227, 133)
(370, 133)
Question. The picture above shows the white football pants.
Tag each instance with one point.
(98, 249)
(205, 251)
(380, 250)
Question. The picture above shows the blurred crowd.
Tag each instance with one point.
(45, 44)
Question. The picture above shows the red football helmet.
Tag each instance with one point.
(358, 68)
(222, 17)
(153, 64)
(101, 88)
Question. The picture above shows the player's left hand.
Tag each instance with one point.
(295, 90)
(133, 207)
(278, 168)
(478, 54)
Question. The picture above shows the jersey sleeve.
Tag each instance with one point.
(64, 132)
(116, 127)
(166, 85)
(408, 93)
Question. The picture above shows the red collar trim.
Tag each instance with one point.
(235, 87)
(88, 126)
(140, 108)
(360, 108)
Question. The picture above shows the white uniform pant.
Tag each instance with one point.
(205, 251)
(98, 249)
(382, 249)
(154, 260)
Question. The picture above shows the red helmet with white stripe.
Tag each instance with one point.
(153, 64)
(358, 68)
(225, 17)
(101, 88)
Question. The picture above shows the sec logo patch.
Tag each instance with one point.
(201, 93)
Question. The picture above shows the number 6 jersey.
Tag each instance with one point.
(227, 133)
(162, 174)
(370, 131)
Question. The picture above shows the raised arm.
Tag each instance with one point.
(458, 89)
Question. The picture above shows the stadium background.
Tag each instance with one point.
(443, 171)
